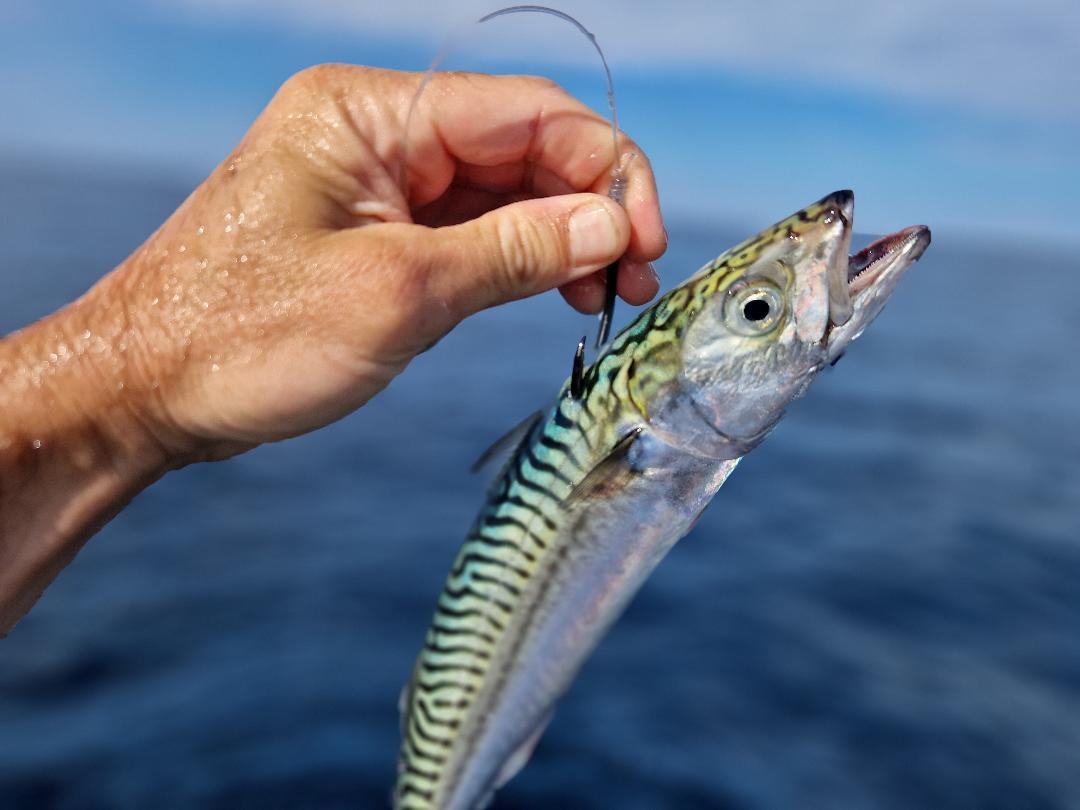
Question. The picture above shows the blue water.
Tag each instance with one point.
(881, 609)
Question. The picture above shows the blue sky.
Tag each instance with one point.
(962, 115)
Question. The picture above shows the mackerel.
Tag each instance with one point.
(600, 486)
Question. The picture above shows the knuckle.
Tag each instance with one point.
(640, 164)
(314, 77)
(329, 80)
(523, 245)
(542, 84)
(304, 111)
(299, 83)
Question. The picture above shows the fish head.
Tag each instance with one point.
(765, 317)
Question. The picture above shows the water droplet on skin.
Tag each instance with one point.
(228, 229)
(119, 386)
(243, 257)
(182, 249)
(200, 230)
(37, 444)
(86, 335)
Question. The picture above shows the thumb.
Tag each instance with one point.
(525, 248)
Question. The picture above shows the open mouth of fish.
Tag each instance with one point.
(876, 259)
(871, 276)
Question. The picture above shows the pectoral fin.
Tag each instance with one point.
(609, 476)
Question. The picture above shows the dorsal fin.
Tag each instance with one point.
(507, 443)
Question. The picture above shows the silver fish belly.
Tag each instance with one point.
(601, 486)
(607, 547)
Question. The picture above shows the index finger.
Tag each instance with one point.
(560, 144)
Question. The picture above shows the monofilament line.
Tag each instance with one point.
(617, 189)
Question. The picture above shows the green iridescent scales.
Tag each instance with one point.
(519, 527)
(513, 533)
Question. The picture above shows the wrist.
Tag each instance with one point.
(75, 444)
(75, 380)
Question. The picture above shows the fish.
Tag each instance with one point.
(600, 485)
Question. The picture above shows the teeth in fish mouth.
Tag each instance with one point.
(870, 257)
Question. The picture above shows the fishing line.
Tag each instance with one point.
(617, 189)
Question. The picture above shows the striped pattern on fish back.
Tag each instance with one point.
(517, 527)
(519, 524)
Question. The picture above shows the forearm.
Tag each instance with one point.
(73, 449)
(298, 280)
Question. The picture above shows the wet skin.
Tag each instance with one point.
(298, 280)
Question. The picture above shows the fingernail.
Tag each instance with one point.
(594, 236)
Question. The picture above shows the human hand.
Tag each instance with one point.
(301, 276)
(298, 279)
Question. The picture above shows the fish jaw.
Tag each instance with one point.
(738, 369)
(735, 378)
(872, 276)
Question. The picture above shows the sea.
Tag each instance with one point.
(880, 609)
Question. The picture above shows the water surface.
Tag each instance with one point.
(880, 610)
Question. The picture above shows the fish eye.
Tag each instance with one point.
(754, 309)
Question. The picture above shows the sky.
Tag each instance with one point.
(962, 115)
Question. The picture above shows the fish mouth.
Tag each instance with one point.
(872, 275)
(870, 263)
